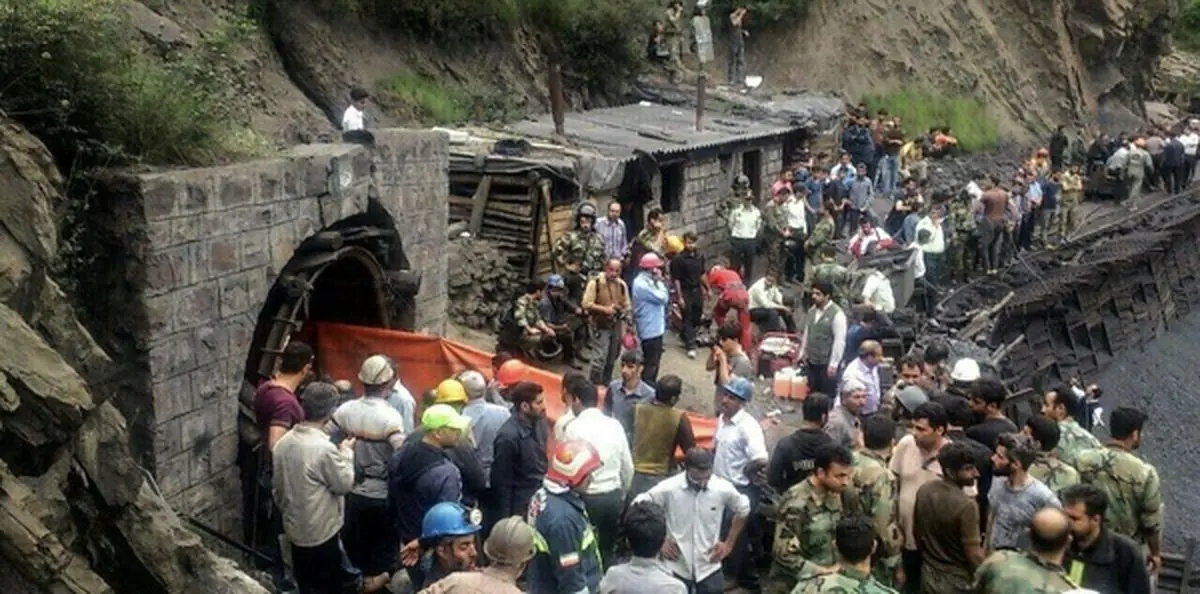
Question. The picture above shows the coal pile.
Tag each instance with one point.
(1068, 312)
(482, 283)
(951, 174)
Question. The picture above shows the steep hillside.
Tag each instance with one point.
(1035, 63)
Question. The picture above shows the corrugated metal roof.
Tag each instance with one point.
(616, 132)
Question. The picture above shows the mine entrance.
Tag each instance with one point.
(354, 272)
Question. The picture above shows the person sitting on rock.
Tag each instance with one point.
(523, 326)
(563, 315)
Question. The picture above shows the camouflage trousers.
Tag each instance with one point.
(962, 255)
(776, 253)
(1066, 214)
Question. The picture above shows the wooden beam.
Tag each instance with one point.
(479, 204)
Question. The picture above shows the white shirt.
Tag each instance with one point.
(744, 222)
(861, 243)
(974, 191)
(877, 291)
(738, 441)
(352, 119)
(797, 213)
(917, 260)
(1190, 141)
(937, 237)
(763, 297)
(694, 520)
(608, 437)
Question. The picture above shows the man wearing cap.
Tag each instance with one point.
(568, 556)
(463, 454)
(563, 315)
(962, 375)
(607, 303)
(378, 375)
(420, 475)
(604, 495)
(741, 455)
(695, 501)
(844, 424)
(507, 370)
(447, 541)
(651, 297)
(629, 391)
(311, 477)
(486, 420)
(509, 549)
(377, 430)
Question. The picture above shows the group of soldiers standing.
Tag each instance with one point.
(667, 45)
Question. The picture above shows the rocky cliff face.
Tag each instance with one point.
(77, 514)
(1035, 63)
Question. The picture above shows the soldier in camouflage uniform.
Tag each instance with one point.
(673, 33)
(964, 240)
(829, 271)
(822, 235)
(1063, 405)
(737, 195)
(1054, 473)
(1038, 570)
(526, 328)
(876, 488)
(1135, 506)
(580, 253)
(807, 515)
(855, 541)
(774, 233)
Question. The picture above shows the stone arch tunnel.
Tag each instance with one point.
(208, 271)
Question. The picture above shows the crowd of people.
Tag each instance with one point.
(927, 487)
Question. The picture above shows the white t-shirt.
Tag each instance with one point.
(1190, 141)
(352, 119)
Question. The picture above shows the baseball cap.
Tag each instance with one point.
(376, 371)
(443, 415)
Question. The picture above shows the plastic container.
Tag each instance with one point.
(799, 385)
(782, 384)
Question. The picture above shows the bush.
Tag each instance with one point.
(1186, 30)
(434, 103)
(918, 111)
(75, 75)
(761, 14)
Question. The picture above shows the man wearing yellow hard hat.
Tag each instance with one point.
(452, 395)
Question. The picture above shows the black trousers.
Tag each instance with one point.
(912, 570)
(741, 256)
(990, 237)
(1025, 235)
(793, 268)
(325, 569)
(741, 564)
(1173, 180)
(693, 313)
(652, 350)
(772, 320)
(367, 534)
(605, 510)
(819, 382)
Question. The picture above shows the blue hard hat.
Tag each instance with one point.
(555, 281)
(448, 519)
(740, 388)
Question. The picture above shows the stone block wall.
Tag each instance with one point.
(217, 239)
(706, 182)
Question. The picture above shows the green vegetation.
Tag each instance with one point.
(1186, 29)
(760, 13)
(968, 118)
(74, 72)
(435, 103)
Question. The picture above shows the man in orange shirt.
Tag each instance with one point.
(727, 283)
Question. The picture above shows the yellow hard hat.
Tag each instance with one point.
(450, 391)
(674, 244)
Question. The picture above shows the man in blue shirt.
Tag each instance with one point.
(650, 300)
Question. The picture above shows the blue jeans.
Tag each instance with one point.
(713, 584)
(887, 178)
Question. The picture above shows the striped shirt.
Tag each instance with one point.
(612, 233)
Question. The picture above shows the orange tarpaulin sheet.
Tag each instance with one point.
(424, 361)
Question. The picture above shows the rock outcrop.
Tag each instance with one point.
(77, 514)
(1036, 64)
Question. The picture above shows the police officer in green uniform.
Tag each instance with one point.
(856, 544)
(964, 239)
(739, 190)
(774, 231)
(807, 516)
(580, 253)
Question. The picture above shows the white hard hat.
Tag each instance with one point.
(377, 370)
(965, 370)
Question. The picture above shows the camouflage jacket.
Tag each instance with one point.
(726, 206)
(821, 235)
(961, 220)
(1135, 506)
(845, 581)
(1016, 572)
(1074, 439)
(804, 528)
(774, 220)
(526, 312)
(876, 489)
(649, 242)
(584, 248)
(1054, 473)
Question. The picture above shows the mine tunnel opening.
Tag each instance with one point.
(353, 272)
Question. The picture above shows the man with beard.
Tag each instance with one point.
(520, 454)
(448, 539)
(946, 522)
(1099, 558)
(823, 339)
(1135, 506)
(795, 455)
(580, 252)
(1015, 496)
(915, 463)
(607, 303)
(807, 516)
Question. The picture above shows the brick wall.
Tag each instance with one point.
(706, 183)
(217, 238)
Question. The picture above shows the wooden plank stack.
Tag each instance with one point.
(510, 214)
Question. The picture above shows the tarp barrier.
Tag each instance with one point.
(424, 361)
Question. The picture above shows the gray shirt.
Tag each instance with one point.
(622, 402)
(862, 190)
(486, 420)
(1013, 509)
(842, 426)
(379, 430)
(640, 575)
